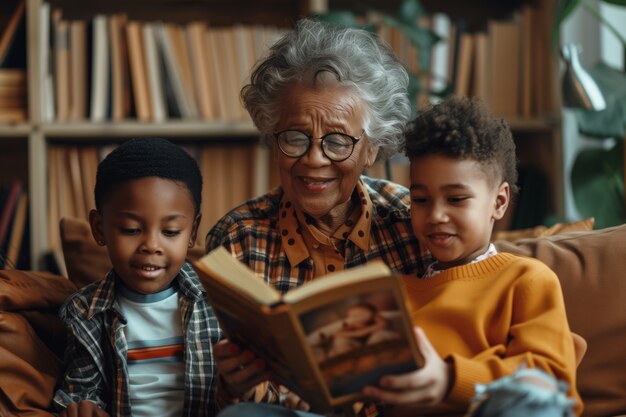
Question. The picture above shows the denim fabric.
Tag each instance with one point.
(262, 410)
(527, 392)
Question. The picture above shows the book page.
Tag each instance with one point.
(338, 279)
(220, 267)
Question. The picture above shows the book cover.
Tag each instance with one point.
(325, 340)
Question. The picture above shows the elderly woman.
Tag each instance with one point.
(330, 102)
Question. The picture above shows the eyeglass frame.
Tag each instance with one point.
(354, 139)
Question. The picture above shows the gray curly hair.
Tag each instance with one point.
(357, 58)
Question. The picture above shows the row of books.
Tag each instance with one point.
(13, 226)
(13, 104)
(504, 64)
(114, 68)
(228, 172)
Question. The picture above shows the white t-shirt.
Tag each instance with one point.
(156, 349)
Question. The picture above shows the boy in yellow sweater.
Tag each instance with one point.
(482, 314)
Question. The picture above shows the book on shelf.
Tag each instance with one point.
(62, 67)
(121, 100)
(78, 65)
(504, 59)
(138, 71)
(200, 65)
(10, 33)
(158, 104)
(17, 232)
(325, 340)
(100, 70)
(173, 74)
(10, 202)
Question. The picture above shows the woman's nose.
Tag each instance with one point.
(315, 155)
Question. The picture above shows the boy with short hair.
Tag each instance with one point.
(482, 314)
(140, 341)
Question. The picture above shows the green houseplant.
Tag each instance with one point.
(597, 174)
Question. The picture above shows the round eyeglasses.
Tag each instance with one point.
(335, 146)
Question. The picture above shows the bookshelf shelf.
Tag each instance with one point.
(15, 130)
(184, 129)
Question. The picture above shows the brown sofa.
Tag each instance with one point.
(590, 265)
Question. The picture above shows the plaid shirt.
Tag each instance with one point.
(252, 234)
(96, 368)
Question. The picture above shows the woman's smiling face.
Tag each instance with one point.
(317, 185)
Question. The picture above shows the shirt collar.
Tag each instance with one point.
(433, 269)
(357, 227)
(103, 299)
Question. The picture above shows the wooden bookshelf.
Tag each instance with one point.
(29, 142)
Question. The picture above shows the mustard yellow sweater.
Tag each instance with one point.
(488, 317)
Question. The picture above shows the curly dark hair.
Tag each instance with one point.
(462, 127)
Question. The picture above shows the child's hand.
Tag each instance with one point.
(83, 409)
(426, 386)
(240, 370)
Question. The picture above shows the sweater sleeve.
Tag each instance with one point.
(539, 336)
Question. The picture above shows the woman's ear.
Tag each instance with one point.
(503, 198)
(97, 231)
(372, 153)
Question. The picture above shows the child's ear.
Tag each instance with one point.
(97, 231)
(194, 231)
(502, 200)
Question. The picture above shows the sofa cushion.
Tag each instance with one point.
(590, 266)
(85, 260)
(32, 340)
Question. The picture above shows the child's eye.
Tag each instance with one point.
(171, 233)
(457, 199)
(129, 231)
(419, 200)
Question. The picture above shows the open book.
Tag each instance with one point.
(325, 340)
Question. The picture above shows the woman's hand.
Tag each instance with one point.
(83, 409)
(240, 370)
(426, 386)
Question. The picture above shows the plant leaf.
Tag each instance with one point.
(610, 122)
(616, 2)
(409, 12)
(598, 185)
(339, 17)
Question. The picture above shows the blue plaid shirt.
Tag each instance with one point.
(95, 356)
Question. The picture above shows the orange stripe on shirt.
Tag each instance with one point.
(155, 352)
